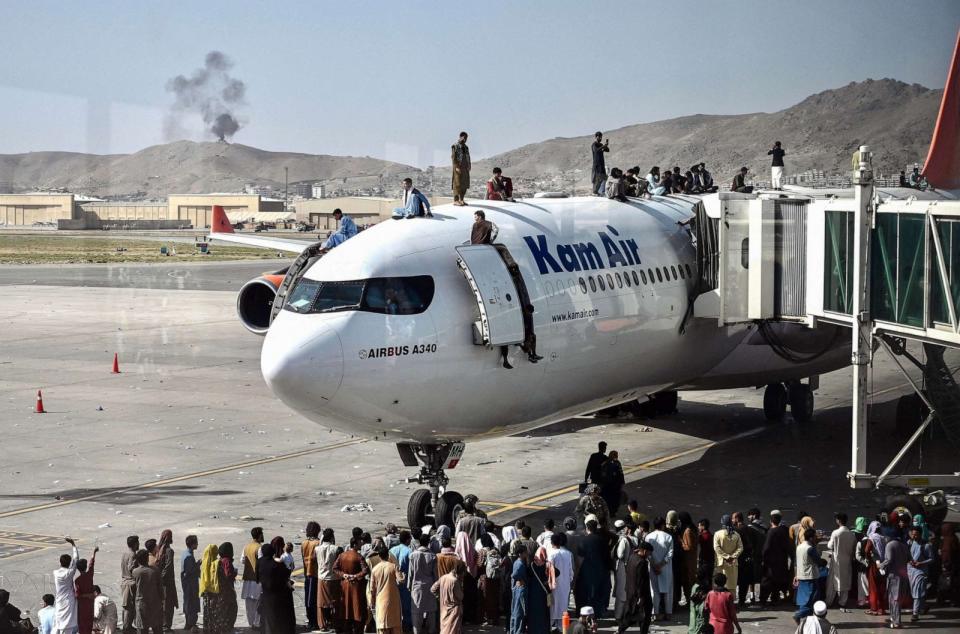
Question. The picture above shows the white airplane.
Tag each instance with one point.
(395, 334)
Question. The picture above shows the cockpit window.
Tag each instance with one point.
(386, 295)
(338, 296)
(302, 296)
(398, 295)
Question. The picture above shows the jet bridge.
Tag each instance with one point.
(885, 264)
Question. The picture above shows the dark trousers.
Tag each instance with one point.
(169, 605)
(191, 618)
(310, 601)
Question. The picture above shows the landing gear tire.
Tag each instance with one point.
(775, 402)
(666, 402)
(902, 502)
(448, 505)
(801, 403)
(419, 509)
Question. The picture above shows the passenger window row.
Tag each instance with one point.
(618, 279)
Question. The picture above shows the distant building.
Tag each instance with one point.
(255, 189)
(303, 190)
(68, 211)
(318, 191)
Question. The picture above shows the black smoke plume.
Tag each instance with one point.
(210, 92)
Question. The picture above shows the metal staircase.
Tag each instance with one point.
(943, 391)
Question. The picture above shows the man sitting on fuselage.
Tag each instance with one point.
(414, 203)
(346, 229)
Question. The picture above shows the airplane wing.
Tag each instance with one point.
(221, 229)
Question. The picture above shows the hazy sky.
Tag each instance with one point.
(398, 80)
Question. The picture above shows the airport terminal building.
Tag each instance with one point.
(188, 211)
(70, 211)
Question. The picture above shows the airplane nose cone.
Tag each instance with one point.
(302, 363)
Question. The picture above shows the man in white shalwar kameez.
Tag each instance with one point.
(562, 561)
(842, 547)
(626, 544)
(65, 593)
(661, 569)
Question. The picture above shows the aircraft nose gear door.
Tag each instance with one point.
(500, 303)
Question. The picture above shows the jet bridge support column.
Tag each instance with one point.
(862, 326)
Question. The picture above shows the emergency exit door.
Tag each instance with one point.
(501, 315)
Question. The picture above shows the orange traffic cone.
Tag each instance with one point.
(39, 409)
(566, 622)
(116, 364)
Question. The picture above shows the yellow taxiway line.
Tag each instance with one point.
(187, 476)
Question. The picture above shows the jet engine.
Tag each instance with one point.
(255, 301)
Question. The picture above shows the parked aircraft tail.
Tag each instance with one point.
(942, 167)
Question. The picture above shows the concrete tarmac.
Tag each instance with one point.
(188, 437)
(209, 276)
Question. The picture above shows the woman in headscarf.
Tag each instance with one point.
(217, 578)
(687, 545)
(491, 571)
(727, 547)
(436, 542)
(276, 599)
(861, 563)
(539, 589)
(874, 551)
(168, 577)
(919, 522)
(509, 533)
(468, 555)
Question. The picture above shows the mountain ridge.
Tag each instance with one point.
(819, 132)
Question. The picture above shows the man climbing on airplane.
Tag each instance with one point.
(740, 182)
(414, 203)
(346, 229)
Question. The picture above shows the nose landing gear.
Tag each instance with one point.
(435, 505)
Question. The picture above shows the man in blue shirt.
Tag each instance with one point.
(921, 555)
(346, 229)
(414, 203)
(46, 615)
(518, 578)
(400, 555)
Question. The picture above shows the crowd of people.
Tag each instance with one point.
(620, 185)
(916, 180)
(441, 578)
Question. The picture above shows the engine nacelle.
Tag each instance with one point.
(255, 301)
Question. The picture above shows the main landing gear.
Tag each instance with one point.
(799, 396)
(434, 505)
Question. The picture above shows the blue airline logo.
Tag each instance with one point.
(583, 256)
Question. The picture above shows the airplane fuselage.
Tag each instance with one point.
(610, 283)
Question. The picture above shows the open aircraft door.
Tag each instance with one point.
(500, 304)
